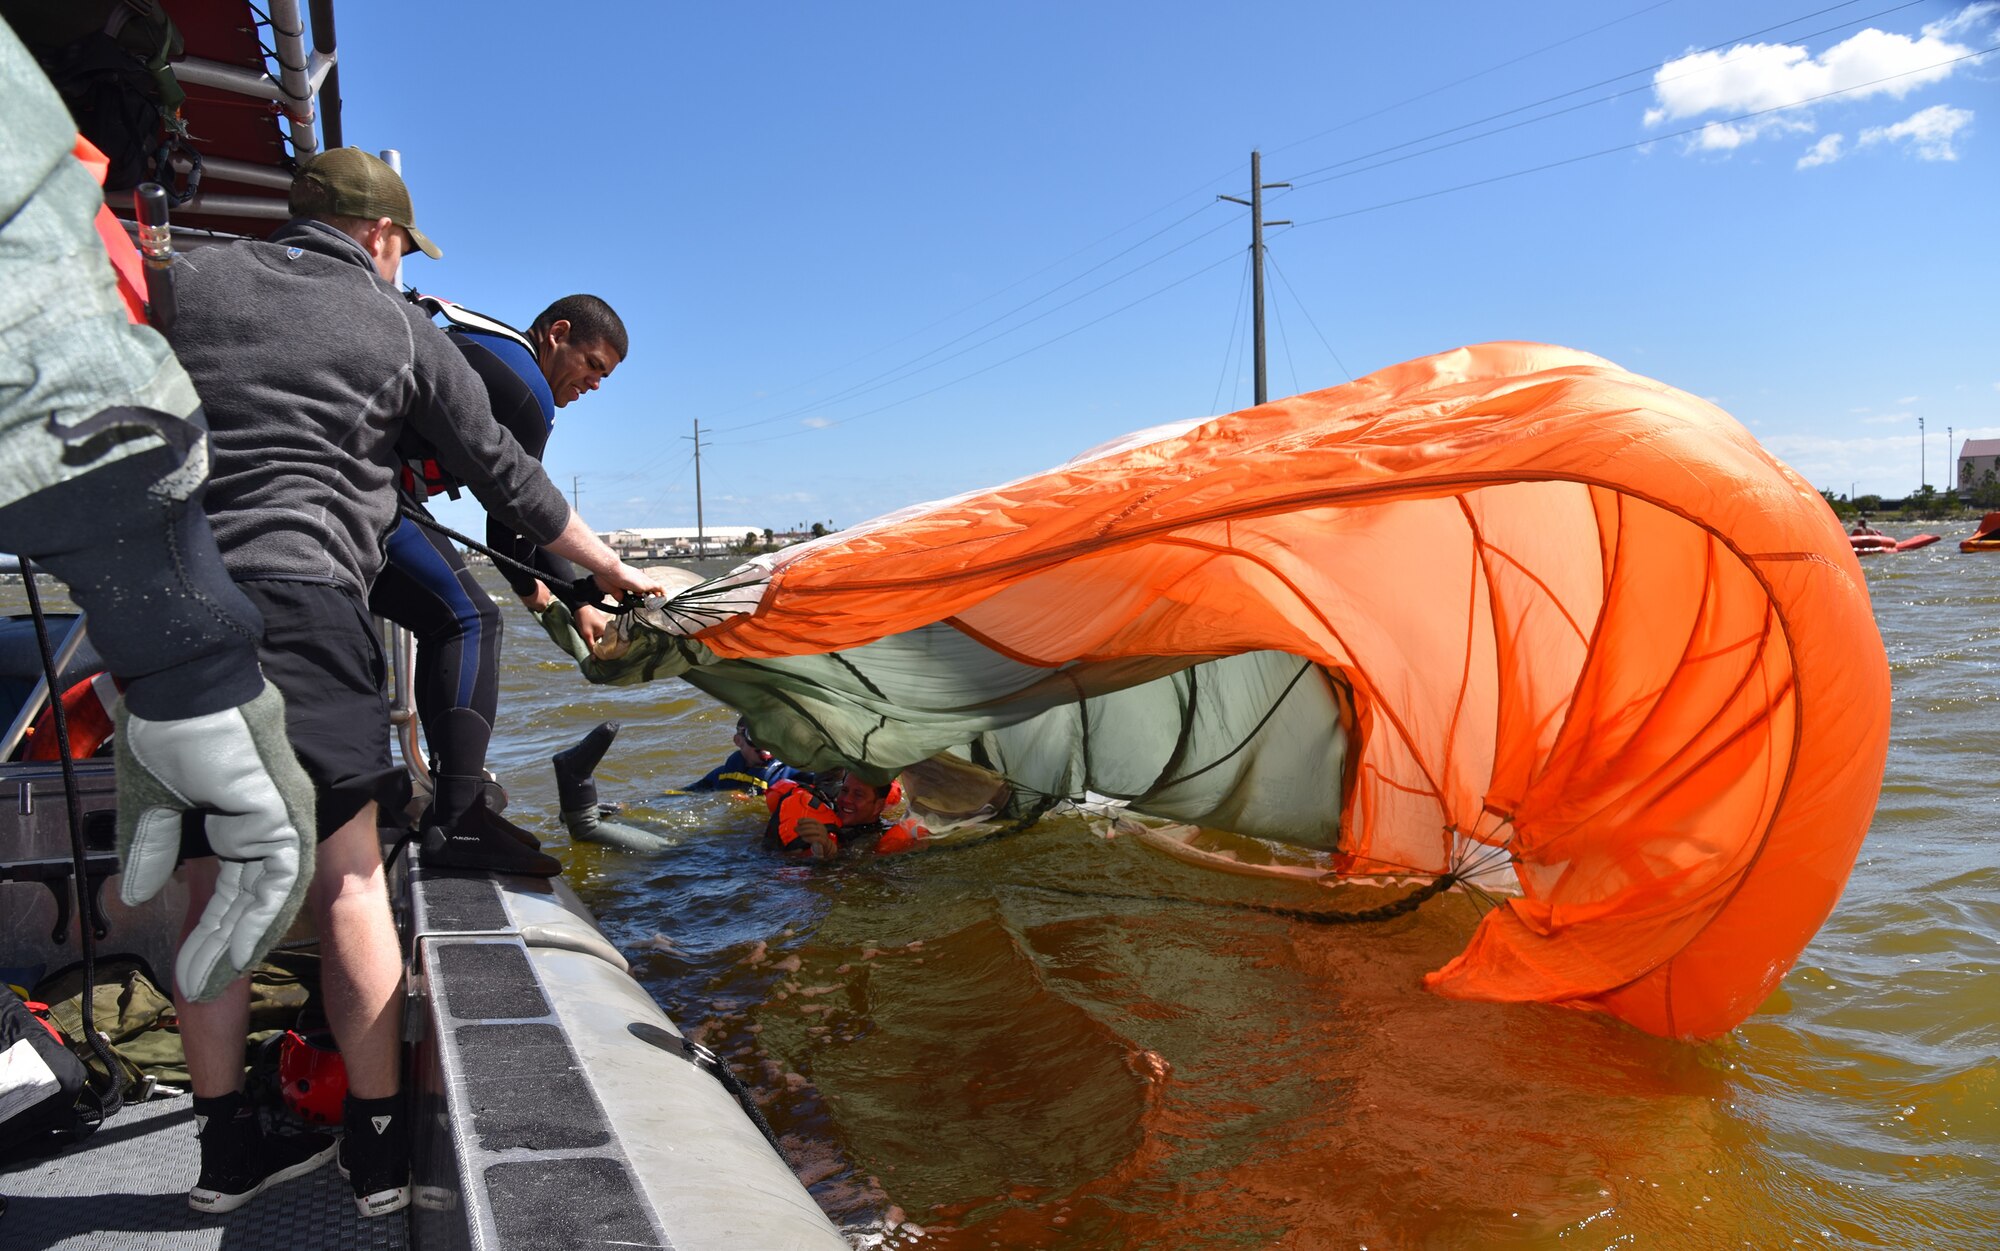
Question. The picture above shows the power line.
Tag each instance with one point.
(1459, 82)
(1016, 356)
(1307, 180)
(1229, 348)
(1016, 327)
(992, 296)
(863, 388)
(1276, 269)
(1278, 310)
(1627, 147)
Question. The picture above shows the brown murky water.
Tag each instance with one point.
(1059, 1040)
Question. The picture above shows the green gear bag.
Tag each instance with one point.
(142, 1027)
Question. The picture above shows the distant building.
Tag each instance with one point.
(1976, 459)
(653, 542)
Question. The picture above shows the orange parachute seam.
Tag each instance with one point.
(1402, 731)
(1055, 556)
(1610, 551)
(1480, 574)
(1561, 608)
(1742, 681)
(1393, 784)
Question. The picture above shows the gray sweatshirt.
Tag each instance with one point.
(308, 365)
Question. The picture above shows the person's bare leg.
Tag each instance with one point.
(360, 961)
(237, 1161)
(212, 1033)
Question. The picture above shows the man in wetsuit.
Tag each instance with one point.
(310, 365)
(803, 821)
(569, 350)
(748, 768)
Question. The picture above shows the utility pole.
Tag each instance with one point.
(576, 493)
(1951, 480)
(1920, 455)
(1257, 223)
(700, 530)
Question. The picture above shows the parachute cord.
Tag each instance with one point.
(1311, 916)
(431, 523)
(1237, 750)
(1387, 912)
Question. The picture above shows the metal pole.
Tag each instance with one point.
(1920, 455)
(700, 527)
(38, 698)
(1951, 479)
(1257, 263)
(1257, 223)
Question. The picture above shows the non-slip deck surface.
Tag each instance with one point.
(126, 1187)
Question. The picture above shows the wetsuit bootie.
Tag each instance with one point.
(576, 794)
(454, 795)
(484, 843)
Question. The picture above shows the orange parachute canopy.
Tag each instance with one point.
(1570, 612)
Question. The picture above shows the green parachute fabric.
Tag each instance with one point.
(1508, 600)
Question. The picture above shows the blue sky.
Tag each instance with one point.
(886, 253)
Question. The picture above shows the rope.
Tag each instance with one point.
(108, 1101)
(425, 519)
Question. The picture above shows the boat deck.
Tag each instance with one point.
(127, 1184)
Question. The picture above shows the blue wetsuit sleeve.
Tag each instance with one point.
(712, 780)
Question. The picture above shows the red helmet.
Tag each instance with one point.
(312, 1078)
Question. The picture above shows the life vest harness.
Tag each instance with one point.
(422, 476)
(792, 801)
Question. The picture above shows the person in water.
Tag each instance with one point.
(1862, 527)
(302, 345)
(748, 768)
(844, 816)
(568, 351)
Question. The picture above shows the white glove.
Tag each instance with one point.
(237, 766)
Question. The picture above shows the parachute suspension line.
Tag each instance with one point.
(686, 609)
(1304, 668)
(1186, 735)
(881, 718)
(1229, 349)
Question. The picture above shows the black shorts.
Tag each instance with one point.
(324, 654)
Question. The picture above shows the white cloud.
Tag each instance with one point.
(1889, 419)
(1928, 132)
(1825, 152)
(1878, 464)
(1753, 77)
(816, 423)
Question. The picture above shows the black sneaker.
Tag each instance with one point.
(375, 1154)
(484, 843)
(239, 1161)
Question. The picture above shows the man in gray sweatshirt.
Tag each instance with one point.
(310, 365)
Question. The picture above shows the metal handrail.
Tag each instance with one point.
(38, 698)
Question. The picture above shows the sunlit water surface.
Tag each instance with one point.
(1059, 1040)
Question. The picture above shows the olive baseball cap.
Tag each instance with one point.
(361, 185)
